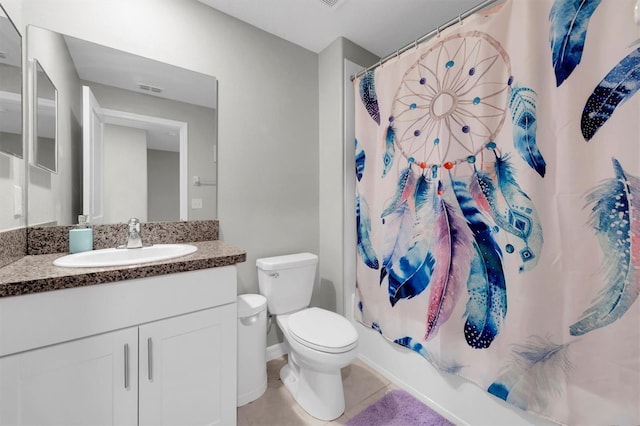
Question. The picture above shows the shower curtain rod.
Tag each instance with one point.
(426, 36)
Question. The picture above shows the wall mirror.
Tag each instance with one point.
(45, 147)
(10, 87)
(147, 130)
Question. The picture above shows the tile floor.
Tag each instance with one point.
(362, 387)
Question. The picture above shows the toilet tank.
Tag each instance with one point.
(287, 281)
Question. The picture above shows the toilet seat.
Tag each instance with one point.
(322, 330)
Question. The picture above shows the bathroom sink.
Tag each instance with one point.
(119, 257)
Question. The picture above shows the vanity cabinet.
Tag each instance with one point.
(164, 354)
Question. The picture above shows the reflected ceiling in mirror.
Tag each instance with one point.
(10, 87)
(111, 67)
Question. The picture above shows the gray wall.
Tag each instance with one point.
(268, 110)
(163, 189)
(332, 162)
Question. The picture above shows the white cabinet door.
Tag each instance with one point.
(89, 381)
(188, 369)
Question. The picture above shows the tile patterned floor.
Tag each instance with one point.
(362, 387)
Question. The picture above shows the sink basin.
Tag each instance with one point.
(119, 257)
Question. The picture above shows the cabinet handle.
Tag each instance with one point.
(150, 358)
(126, 366)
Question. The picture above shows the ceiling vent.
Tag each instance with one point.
(149, 88)
(331, 3)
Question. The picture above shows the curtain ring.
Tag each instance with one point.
(380, 63)
(460, 19)
(397, 53)
(438, 32)
(415, 43)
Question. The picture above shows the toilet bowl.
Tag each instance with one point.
(312, 374)
(319, 342)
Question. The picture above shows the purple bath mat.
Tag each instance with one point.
(398, 408)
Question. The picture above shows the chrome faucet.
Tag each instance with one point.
(134, 239)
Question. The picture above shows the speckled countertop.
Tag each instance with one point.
(36, 273)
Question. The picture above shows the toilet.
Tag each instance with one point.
(319, 342)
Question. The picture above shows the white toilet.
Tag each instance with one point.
(320, 342)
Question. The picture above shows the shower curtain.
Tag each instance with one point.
(498, 205)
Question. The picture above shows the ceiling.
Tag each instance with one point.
(380, 26)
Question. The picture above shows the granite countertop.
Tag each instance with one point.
(36, 273)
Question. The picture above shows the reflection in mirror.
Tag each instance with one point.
(45, 152)
(10, 87)
(158, 126)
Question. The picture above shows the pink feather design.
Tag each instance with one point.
(453, 251)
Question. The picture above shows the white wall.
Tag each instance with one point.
(125, 173)
(268, 110)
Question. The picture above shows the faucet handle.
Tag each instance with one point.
(134, 224)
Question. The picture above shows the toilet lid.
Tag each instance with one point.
(323, 330)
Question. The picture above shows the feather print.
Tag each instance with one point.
(410, 274)
(487, 304)
(453, 251)
(363, 227)
(397, 234)
(535, 374)
(569, 20)
(398, 218)
(404, 190)
(522, 104)
(360, 158)
(368, 95)
(512, 209)
(449, 366)
(389, 150)
(615, 217)
(620, 84)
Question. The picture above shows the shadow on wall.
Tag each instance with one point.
(324, 296)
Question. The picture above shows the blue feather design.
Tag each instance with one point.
(535, 374)
(363, 226)
(487, 304)
(389, 150)
(512, 209)
(522, 104)
(410, 274)
(398, 218)
(615, 218)
(368, 95)
(404, 190)
(360, 158)
(409, 342)
(569, 20)
(620, 84)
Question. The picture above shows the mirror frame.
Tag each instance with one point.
(41, 107)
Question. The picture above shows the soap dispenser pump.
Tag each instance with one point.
(81, 236)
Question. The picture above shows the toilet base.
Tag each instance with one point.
(319, 393)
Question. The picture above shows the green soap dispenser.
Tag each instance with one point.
(81, 236)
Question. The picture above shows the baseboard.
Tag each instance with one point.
(276, 351)
(414, 392)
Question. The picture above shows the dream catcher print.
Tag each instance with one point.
(457, 207)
